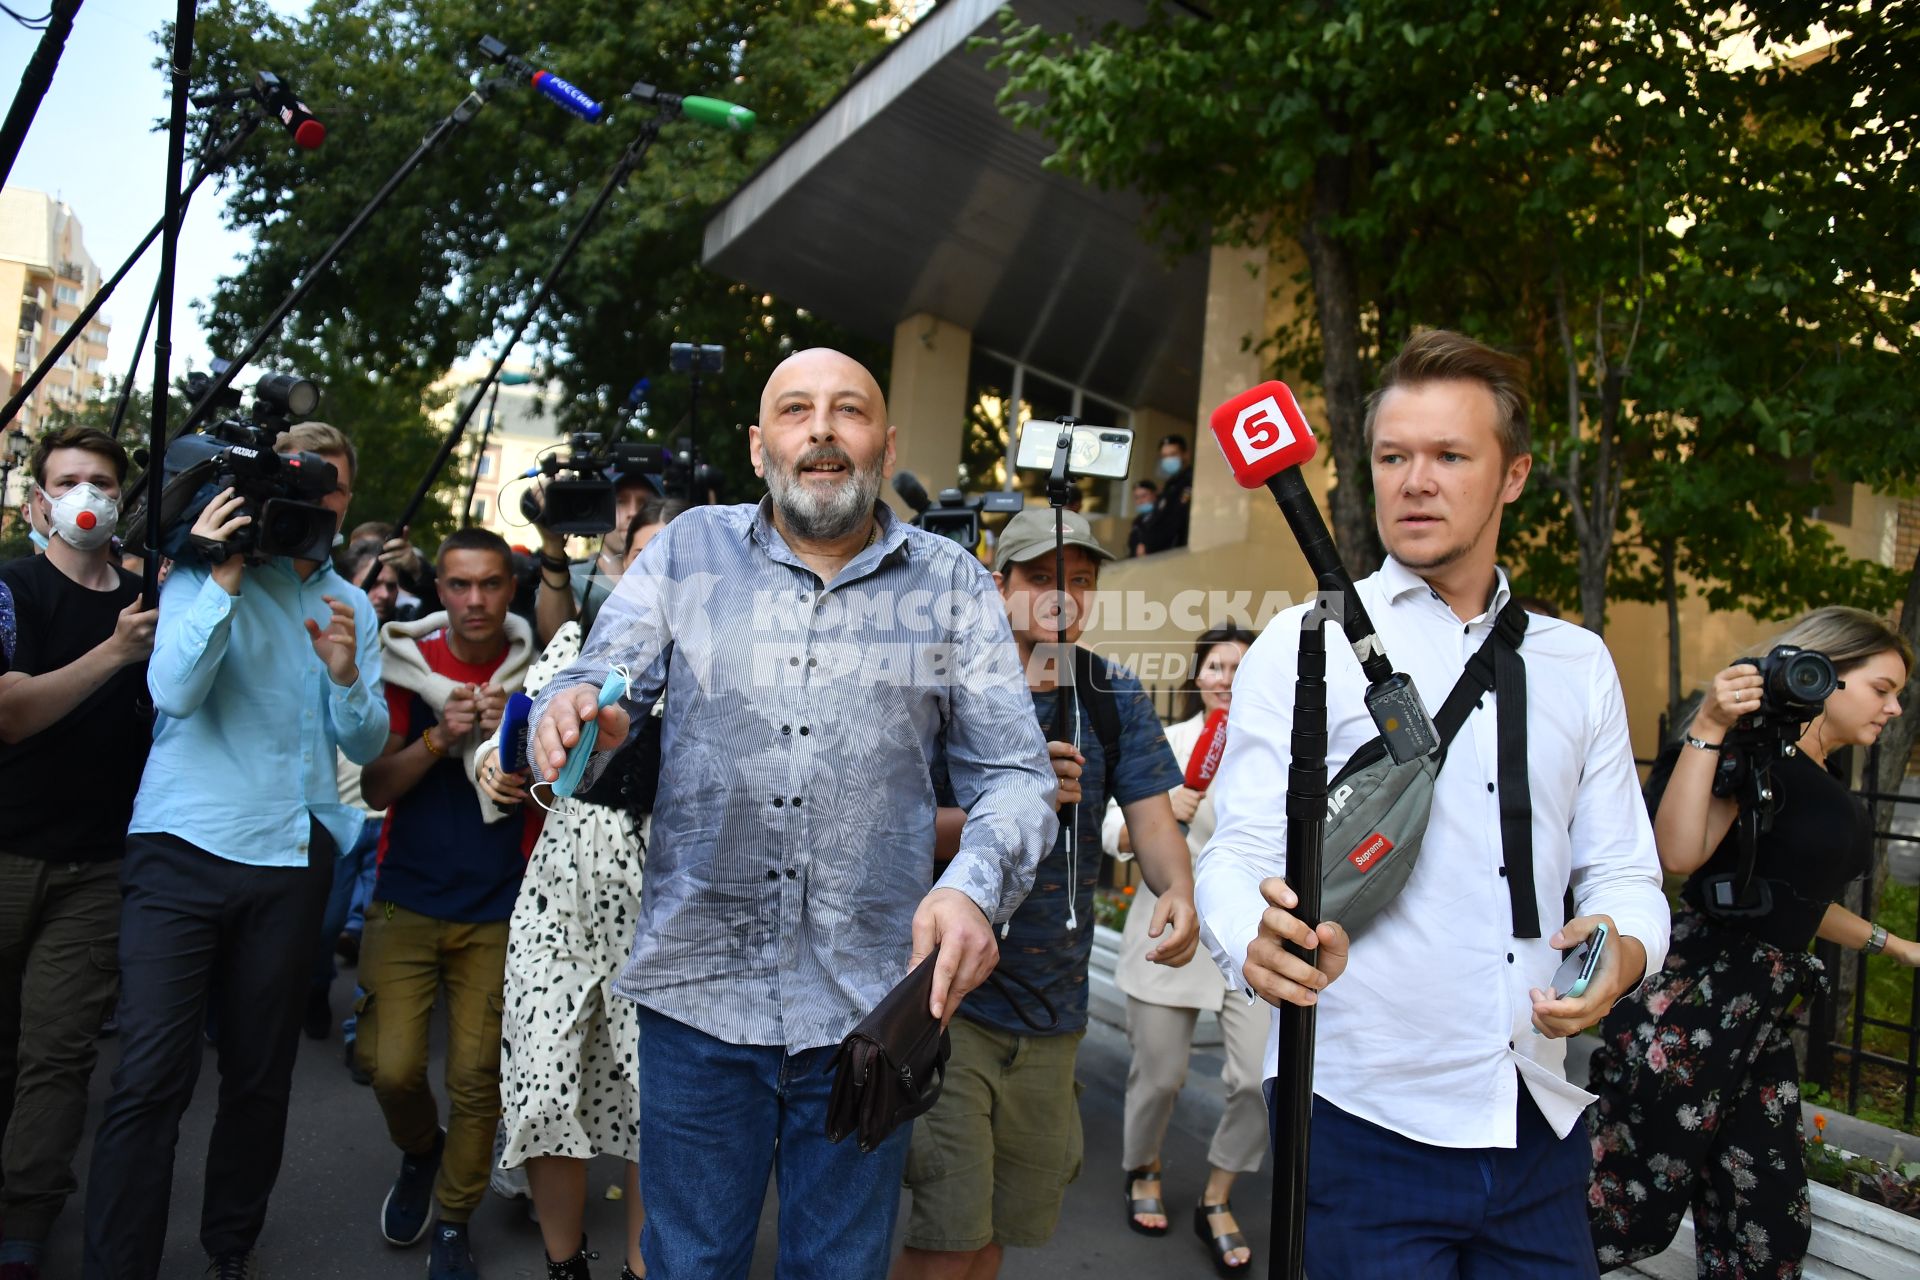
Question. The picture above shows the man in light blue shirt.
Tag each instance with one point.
(259, 672)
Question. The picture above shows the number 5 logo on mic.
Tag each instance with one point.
(1262, 432)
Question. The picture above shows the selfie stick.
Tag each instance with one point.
(623, 167)
(1059, 489)
(1306, 836)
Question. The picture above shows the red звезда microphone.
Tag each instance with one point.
(1205, 760)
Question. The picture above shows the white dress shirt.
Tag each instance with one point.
(1427, 1029)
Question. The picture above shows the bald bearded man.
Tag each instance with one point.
(817, 654)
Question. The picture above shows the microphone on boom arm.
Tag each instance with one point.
(280, 101)
(713, 111)
(1265, 439)
(549, 84)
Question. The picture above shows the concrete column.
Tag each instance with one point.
(1230, 362)
(927, 398)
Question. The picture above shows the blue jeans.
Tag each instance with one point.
(716, 1118)
(349, 870)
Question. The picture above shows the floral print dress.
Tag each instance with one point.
(1699, 1107)
(1699, 1090)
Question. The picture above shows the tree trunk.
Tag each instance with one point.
(1670, 590)
(1343, 381)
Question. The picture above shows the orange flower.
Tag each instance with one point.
(1128, 891)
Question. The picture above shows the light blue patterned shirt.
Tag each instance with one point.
(793, 834)
(249, 719)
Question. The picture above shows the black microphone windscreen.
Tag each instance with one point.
(911, 491)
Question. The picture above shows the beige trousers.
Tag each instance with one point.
(1162, 1040)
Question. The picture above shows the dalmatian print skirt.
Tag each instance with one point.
(569, 1069)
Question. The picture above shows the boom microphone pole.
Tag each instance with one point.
(1266, 440)
(623, 168)
(181, 67)
(34, 82)
(216, 159)
(666, 108)
(469, 107)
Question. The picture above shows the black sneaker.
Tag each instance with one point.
(235, 1266)
(451, 1259)
(408, 1209)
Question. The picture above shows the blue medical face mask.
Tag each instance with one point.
(40, 539)
(1142, 508)
(1170, 466)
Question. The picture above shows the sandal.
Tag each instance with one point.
(1219, 1246)
(1144, 1204)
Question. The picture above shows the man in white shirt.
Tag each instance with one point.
(1446, 1139)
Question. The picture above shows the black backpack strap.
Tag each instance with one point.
(1516, 795)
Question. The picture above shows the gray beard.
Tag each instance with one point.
(816, 517)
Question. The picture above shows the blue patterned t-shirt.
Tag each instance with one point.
(1046, 943)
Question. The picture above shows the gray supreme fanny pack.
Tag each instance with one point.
(1378, 810)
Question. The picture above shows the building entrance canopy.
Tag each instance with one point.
(911, 194)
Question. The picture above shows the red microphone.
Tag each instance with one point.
(1262, 432)
(1212, 744)
(1265, 438)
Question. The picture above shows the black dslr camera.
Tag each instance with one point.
(578, 498)
(281, 492)
(1795, 685)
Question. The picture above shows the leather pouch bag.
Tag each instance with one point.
(890, 1067)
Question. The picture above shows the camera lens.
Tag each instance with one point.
(1809, 677)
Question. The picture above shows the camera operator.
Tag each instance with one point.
(73, 675)
(259, 672)
(1699, 1088)
(578, 589)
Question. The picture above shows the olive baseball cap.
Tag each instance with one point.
(1029, 535)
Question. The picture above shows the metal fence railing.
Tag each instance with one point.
(1833, 1057)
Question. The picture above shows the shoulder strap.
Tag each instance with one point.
(1509, 626)
(1498, 668)
(1516, 796)
(1100, 706)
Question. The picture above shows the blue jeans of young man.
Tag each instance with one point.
(1380, 1204)
(717, 1119)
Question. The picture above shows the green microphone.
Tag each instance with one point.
(712, 111)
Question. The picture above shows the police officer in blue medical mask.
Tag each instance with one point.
(1167, 528)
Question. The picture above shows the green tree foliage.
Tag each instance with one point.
(1665, 228)
(446, 266)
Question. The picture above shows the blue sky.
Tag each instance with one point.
(94, 145)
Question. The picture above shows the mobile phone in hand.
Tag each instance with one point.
(1575, 974)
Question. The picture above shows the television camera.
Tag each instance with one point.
(281, 492)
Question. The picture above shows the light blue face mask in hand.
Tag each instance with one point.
(611, 692)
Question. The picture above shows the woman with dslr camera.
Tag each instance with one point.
(1699, 1091)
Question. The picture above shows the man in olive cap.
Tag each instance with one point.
(992, 1160)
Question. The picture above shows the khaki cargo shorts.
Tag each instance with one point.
(992, 1160)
